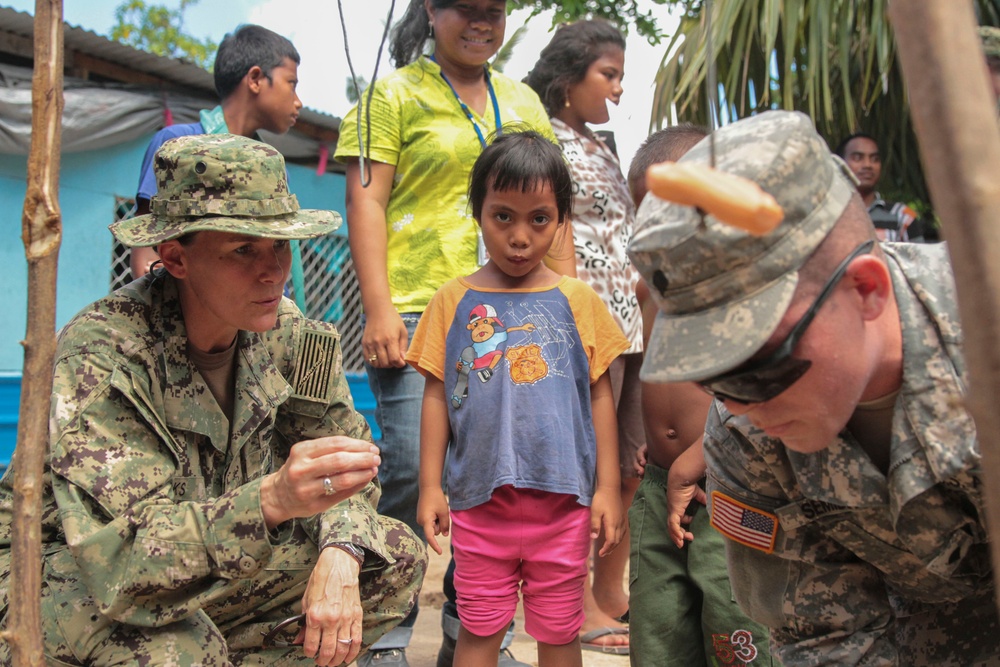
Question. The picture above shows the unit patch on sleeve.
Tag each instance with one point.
(744, 524)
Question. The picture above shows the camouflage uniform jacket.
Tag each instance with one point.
(156, 497)
(856, 550)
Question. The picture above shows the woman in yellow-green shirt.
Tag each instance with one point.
(410, 229)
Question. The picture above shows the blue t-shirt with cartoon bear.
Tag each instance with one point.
(517, 368)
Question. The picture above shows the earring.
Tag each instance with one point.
(430, 27)
(567, 103)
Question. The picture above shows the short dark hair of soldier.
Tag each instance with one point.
(842, 465)
(246, 47)
(210, 490)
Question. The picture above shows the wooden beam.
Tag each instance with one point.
(86, 65)
(955, 117)
(18, 45)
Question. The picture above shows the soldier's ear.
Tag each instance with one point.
(869, 277)
(174, 258)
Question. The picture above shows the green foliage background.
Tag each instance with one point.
(834, 60)
(157, 29)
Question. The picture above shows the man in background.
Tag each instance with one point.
(894, 221)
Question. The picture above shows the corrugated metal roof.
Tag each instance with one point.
(174, 70)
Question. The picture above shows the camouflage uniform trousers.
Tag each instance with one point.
(231, 631)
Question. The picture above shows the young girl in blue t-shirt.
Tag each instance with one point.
(515, 358)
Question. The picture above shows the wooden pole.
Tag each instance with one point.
(41, 231)
(955, 117)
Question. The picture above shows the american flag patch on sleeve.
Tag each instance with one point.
(744, 524)
(316, 364)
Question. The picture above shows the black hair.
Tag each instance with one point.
(667, 144)
(524, 160)
(246, 47)
(411, 32)
(841, 148)
(567, 57)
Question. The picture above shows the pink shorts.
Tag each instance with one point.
(522, 537)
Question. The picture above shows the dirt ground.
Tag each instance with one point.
(426, 640)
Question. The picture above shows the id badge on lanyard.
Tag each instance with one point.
(482, 256)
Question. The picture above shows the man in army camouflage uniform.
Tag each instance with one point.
(208, 476)
(843, 467)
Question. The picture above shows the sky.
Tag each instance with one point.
(314, 27)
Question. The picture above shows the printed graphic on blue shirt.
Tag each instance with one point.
(483, 355)
(517, 379)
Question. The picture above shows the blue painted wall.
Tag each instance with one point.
(89, 183)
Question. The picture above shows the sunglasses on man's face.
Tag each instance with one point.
(761, 380)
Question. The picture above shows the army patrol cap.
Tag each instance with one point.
(222, 183)
(721, 291)
(990, 37)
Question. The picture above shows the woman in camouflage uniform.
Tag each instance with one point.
(208, 476)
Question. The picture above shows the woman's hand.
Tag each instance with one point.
(317, 475)
(385, 339)
(332, 606)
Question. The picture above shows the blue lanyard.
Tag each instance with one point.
(468, 111)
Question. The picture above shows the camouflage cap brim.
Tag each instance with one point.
(707, 343)
(152, 229)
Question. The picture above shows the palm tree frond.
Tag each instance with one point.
(832, 59)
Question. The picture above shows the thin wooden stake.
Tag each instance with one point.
(41, 231)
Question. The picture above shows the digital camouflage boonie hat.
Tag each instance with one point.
(722, 291)
(222, 183)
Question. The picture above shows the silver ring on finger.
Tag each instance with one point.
(346, 641)
(327, 488)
